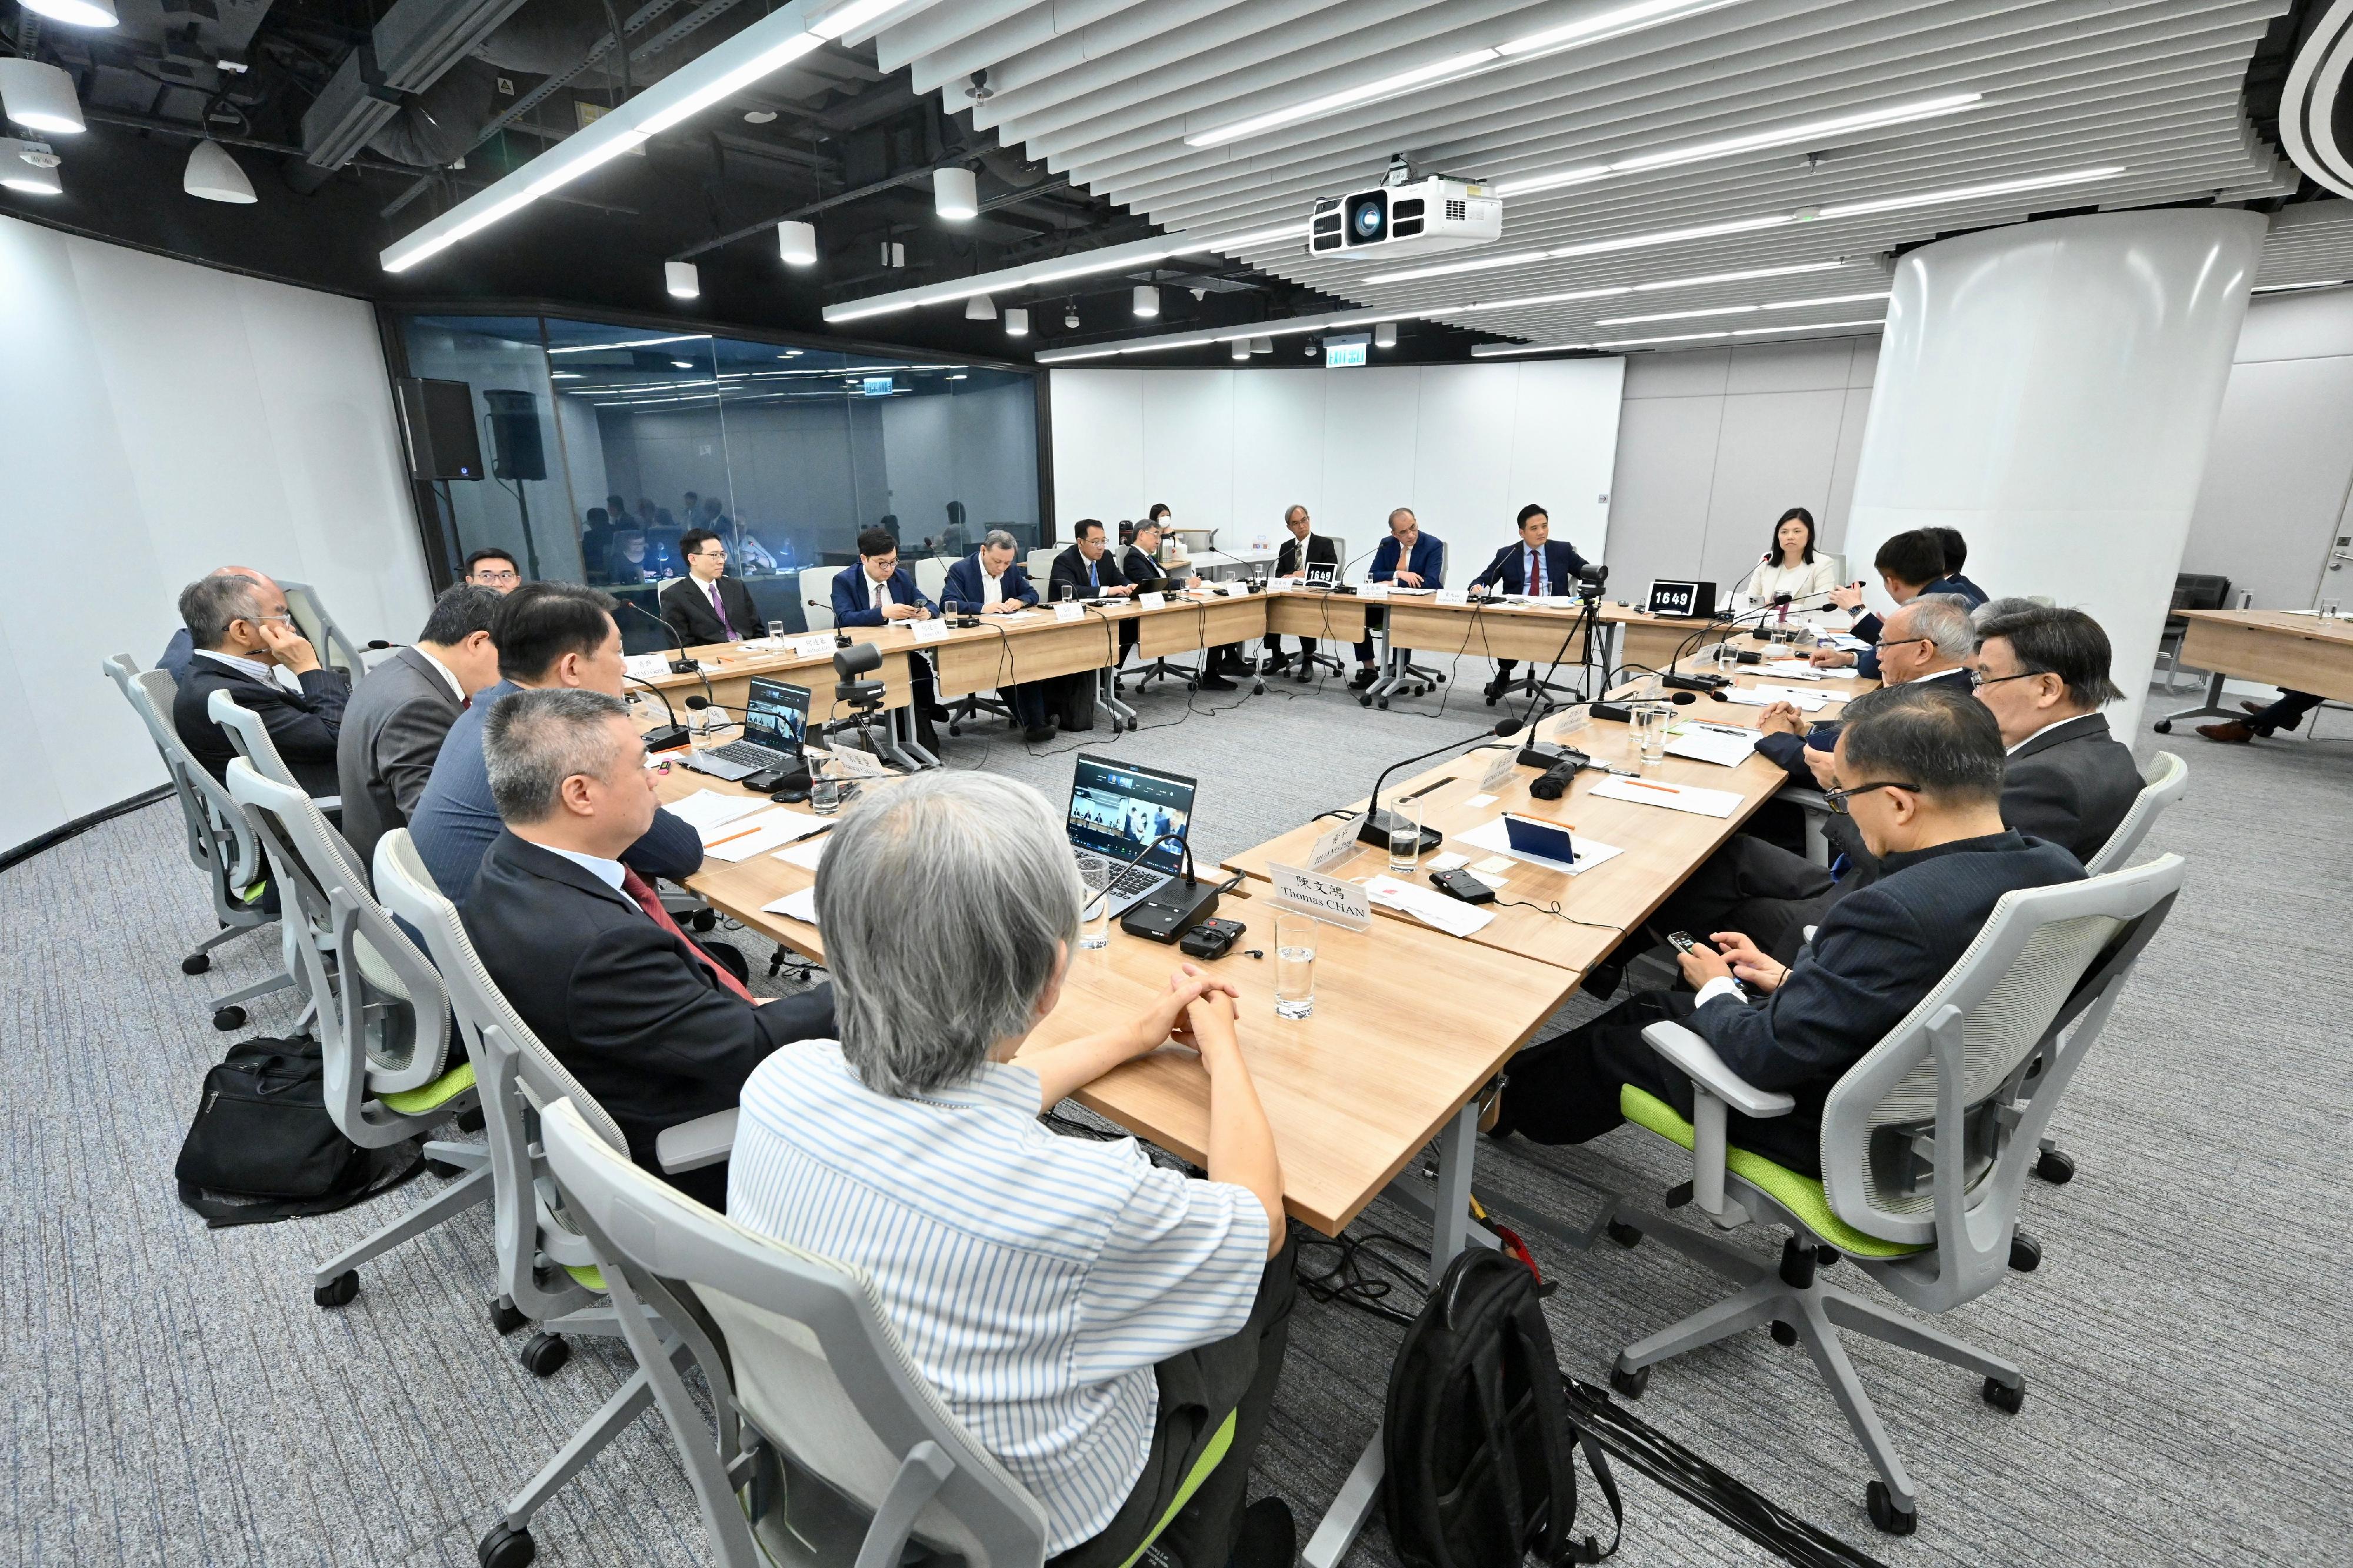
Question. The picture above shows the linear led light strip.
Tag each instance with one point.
(1742, 309)
(1700, 151)
(1039, 274)
(1597, 28)
(2293, 287)
(1506, 351)
(761, 49)
(1749, 224)
(1528, 302)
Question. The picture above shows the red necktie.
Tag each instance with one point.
(640, 889)
(1536, 559)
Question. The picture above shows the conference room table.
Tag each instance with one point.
(2297, 652)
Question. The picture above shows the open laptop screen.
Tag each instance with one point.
(1117, 808)
(776, 716)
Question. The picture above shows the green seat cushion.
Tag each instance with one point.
(1801, 1195)
(1220, 1442)
(587, 1275)
(432, 1096)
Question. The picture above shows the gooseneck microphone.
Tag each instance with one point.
(841, 637)
(673, 735)
(1378, 823)
(681, 664)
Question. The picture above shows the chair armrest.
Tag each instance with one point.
(1804, 798)
(691, 1145)
(328, 802)
(1706, 1070)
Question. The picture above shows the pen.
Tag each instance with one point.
(741, 833)
(1638, 783)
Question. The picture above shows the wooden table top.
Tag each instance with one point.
(2286, 622)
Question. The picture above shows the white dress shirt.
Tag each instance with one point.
(267, 674)
(457, 687)
(608, 872)
(992, 587)
(1799, 580)
(2013, 751)
(880, 592)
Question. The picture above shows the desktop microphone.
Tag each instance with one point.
(841, 635)
(683, 664)
(1378, 823)
(672, 735)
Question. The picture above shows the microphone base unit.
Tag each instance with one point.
(1172, 912)
(1695, 682)
(684, 666)
(1379, 824)
(668, 738)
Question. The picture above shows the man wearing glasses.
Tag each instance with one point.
(493, 569)
(1927, 798)
(706, 605)
(244, 634)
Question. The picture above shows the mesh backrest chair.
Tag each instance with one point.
(250, 736)
(817, 1371)
(1311, 650)
(220, 841)
(1923, 1152)
(815, 586)
(930, 577)
(335, 651)
(384, 1018)
(1040, 564)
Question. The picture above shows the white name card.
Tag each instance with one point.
(646, 666)
(817, 647)
(1374, 591)
(1068, 610)
(1152, 601)
(933, 630)
(1573, 722)
(1499, 770)
(1325, 898)
(1225, 590)
(1453, 596)
(1335, 845)
(1650, 688)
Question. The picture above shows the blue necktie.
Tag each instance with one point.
(1093, 581)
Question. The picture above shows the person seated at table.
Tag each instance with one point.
(1408, 558)
(1140, 566)
(1909, 564)
(1956, 556)
(1928, 639)
(1538, 565)
(1127, 1310)
(991, 582)
(653, 1025)
(1927, 766)
(494, 570)
(1791, 566)
(877, 592)
(242, 634)
(624, 557)
(706, 605)
(547, 635)
(1303, 548)
(401, 711)
(2264, 719)
(182, 647)
(1172, 548)
(1086, 571)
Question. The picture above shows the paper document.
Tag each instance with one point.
(1847, 641)
(752, 835)
(1429, 906)
(707, 811)
(1495, 836)
(806, 854)
(1718, 743)
(1674, 797)
(1766, 696)
(1791, 669)
(800, 906)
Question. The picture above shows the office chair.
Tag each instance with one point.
(1923, 1154)
(817, 1376)
(384, 1017)
(220, 840)
(250, 736)
(2191, 591)
(1402, 674)
(546, 1272)
(335, 651)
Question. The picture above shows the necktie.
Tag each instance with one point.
(1536, 572)
(717, 604)
(639, 888)
(1093, 581)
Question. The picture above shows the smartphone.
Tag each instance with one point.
(1681, 940)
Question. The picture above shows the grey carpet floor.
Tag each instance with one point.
(170, 1395)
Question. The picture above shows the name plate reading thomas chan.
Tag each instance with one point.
(817, 647)
(933, 630)
(1325, 898)
(1499, 768)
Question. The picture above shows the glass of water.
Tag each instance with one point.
(1651, 731)
(1405, 837)
(2329, 610)
(1728, 657)
(1294, 963)
(824, 787)
(1095, 877)
(775, 634)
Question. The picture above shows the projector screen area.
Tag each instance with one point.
(1464, 446)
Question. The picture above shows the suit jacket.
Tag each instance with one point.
(1510, 569)
(303, 728)
(393, 730)
(177, 653)
(628, 1009)
(455, 821)
(687, 608)
(1143, 571)
(2071, 784)
(1321, 551)
(1876, 953)
(1069, 571)
(854, 597)
(1428, 550)
(1788, 752)
(966, 583)
(1866, 663)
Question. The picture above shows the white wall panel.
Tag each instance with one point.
(1098, 442)
(1658, 513)
(1274, 466)
(1563, 449)
(2277, 479)
(1802, 366)
(1371, 451)
(1461, 470)
(1188, 415)
(1772, 453)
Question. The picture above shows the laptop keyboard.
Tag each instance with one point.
(750, 755)
(1137, 880)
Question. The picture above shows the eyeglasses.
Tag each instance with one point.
(1979, 678)
(1837, 799)
(485, 574)
(1898, 642)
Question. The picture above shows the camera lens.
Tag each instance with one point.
(1368, 217)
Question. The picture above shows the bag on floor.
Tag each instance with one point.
(263, 1146)
(1476, 1431)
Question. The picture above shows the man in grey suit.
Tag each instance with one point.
(401, 709)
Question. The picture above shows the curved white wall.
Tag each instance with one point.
(2051, 390)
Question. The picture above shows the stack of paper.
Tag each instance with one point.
(1790, 668)
(800, 906)
(806, 854)
(758, 834)
(1766, 696)
(1673, 796)
(707, 811)
(1719, 743)
(1429, 906)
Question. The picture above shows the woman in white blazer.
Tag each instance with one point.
(1790, 566)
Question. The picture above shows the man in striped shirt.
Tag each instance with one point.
(1092, 1318)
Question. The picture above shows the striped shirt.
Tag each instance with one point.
(1034, 1279)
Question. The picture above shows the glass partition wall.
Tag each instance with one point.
(602, 444)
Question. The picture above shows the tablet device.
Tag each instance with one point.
(1530, 837)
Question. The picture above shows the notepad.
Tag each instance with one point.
(1722, 744)
(800, 906)
(1674, 797)
(756, 835)
(708, 812)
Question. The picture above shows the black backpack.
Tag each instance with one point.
(1476, 1433)
(263, 1146)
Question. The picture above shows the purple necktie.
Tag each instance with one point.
(720, 607)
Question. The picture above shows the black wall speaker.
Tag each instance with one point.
(437, 418)
(515, 449)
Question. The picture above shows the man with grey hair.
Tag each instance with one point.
(1925, 640)
(1408, 558)
(183, 647)
(2008, 604)
(990, 581)
(651, 1025)
(1095, 1319)
(242, 634)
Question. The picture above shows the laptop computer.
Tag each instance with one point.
(1117, 808)
(775, 727)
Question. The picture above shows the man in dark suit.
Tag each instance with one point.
(651, 1025)
(547, 635)
(990, 581)
(1410, 559)
(1926, 640)
(402, 709)
(1538, 565)
(1910, 565)
(706, 605)
(243, 633)
(1303, 548)
(1086, 571)
(182, 647)
(1956, 556)
(1927, 766)
(877, 592)
(1139, 564)
(494, 570)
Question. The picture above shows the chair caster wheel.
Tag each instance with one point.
(956, 732)
(2054, 1167)
(544, 1356)
(195, 964)
(505, 1316)
(1629, 1384)
(2025, 1252)
(338, 1291)
(1783, 1334)
(705, 919)
(1890, 1518)
(506, 1547)
(444, 1170)
(1825, 1256)
(229, 1018)
(1384, 704)
(1625, 1235)
(2165, 726)
(2003, 1397)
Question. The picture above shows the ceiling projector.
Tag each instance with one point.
(1407, 217)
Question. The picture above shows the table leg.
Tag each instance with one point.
(2214, 705)
(899, 741)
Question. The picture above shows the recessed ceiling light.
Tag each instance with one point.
(790, 354)
(683, 364)
(758, 116)
(564, 375)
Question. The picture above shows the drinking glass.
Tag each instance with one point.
(775, 634)
(824, 787)
(1095, 877)
(1405, 839)
(2329, 610)
(1728, 657)
(1651, 728)
(1294, 963)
